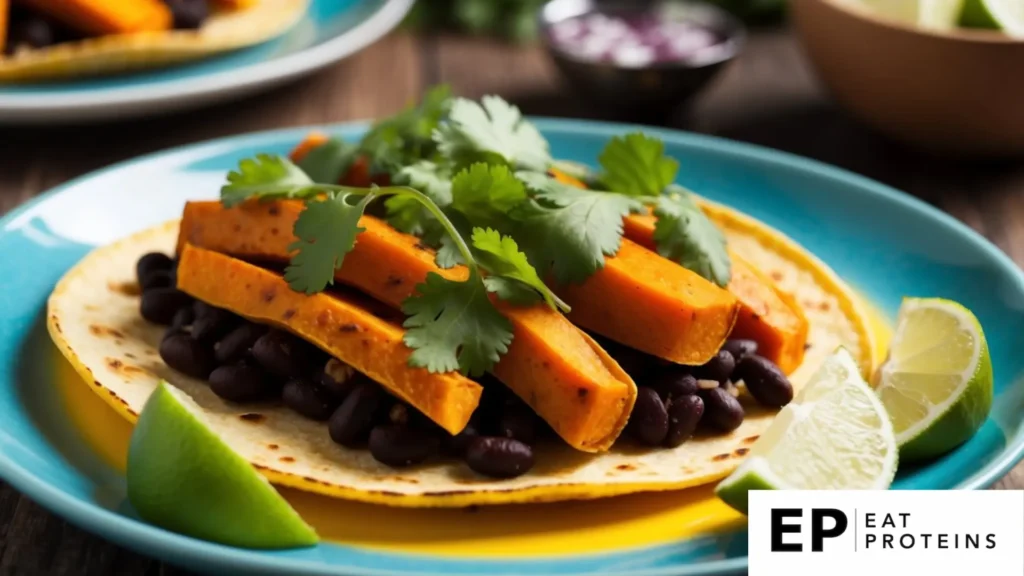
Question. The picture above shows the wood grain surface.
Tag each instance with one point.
(769, 96)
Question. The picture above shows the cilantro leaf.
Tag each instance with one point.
(433, 180)
(509, 270)
(494, 132)
(265, 176)
(326, 230)
(569, 230)
(448, 253)
(512, 291)
(685, 234)
(328, 162)
(405, 213)
(636, 165)
(406, 137)
(485, 194)
(453, 325)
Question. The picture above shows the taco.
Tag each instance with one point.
(49, 40)
(333, 388)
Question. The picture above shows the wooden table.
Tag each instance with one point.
(768, 97)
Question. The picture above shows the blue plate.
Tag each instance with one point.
(884, 243)
(330, 31)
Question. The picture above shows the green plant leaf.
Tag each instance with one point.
(326, 230)
(568, 231)
(327, 163)
(636, 165)
(508, 270)
(265, 177)
(485, 194)
(405, 213)
(406, 137)
(453, 325)
(683, 233)
(491, 132)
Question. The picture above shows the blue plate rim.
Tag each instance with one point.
(155, 541)
(249, 77)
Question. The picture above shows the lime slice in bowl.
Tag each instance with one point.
(934, 14)
(937, 382)
(1005, 15)
(834, 435)
(182, 477)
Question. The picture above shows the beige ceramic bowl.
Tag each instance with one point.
(960, 91)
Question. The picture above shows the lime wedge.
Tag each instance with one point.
(835, 435)
(937, 382)
(934, 14)
(1005, 15)
(182, 477)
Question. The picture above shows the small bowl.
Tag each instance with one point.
(646, 89)
(954, 92)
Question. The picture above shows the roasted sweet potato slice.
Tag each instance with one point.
(653, 305)
(5, 9)
(101, 17)
(766, 315)
(311, 141)
(563, 375)
(339, 324)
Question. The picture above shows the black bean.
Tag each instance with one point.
(458, 445)
(398, 414)
(182, 319)
(337, 377)
(765, 381)
(719, 368)
(487, 416)
(673, 382)
(187, 356)
(352, 420)
(499, 457)
(649, 420)
(237, 343)
(284, 355)
(308, 399)
(159, 305)
(188, 14)
(212, 323)
(722, 410)
(635, 363)
(158, 279)
(242, 382)
(397, 445)
(33, 31)
(152, 262)
(684, 413)
(518, 421)
(740, 347)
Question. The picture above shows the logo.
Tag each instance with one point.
(818, 530)
(876, 533)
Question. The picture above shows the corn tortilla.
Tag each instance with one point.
(225, 30)
(93, 317)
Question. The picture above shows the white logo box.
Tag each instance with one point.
(894, 532)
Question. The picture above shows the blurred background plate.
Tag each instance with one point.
(330, 31)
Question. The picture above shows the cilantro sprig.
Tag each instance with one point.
(452, 324)
(400, 140)
(492, 131)
(636, 165)
(569, 231)
(684, 233)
